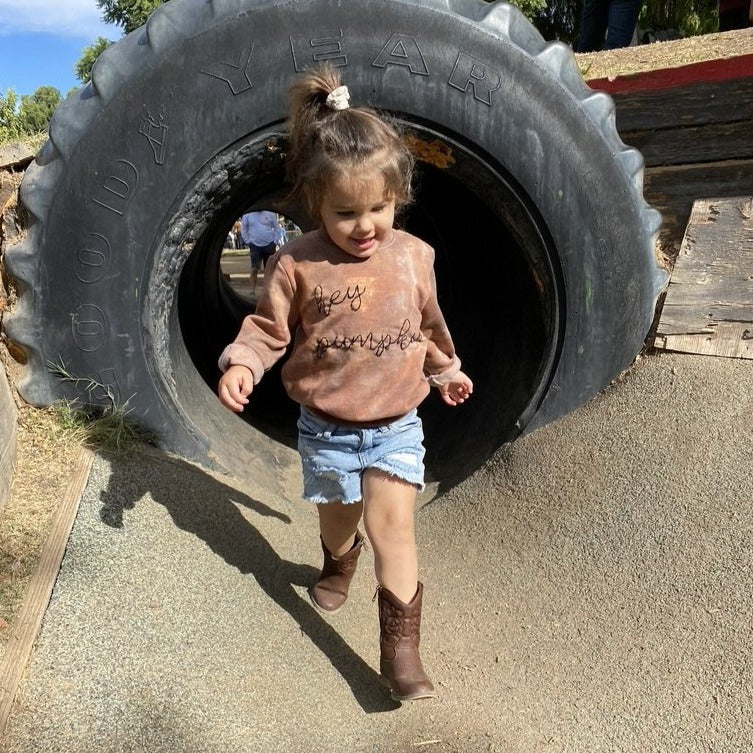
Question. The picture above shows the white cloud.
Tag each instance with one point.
(78, 19)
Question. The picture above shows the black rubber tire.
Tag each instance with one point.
(545, 247)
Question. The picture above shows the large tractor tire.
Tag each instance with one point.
(545, 255)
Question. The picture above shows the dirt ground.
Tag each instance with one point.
(587, 590)
(650, 57)
(46, 454)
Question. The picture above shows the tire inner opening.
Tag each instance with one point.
(498, 286)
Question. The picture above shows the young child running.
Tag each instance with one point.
(357, 298)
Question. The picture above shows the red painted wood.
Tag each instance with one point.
(665, 78)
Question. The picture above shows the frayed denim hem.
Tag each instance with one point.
(319, 500)
(399, 475)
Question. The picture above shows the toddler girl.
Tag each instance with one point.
(357, 299)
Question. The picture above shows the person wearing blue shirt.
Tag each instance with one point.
(262, 233)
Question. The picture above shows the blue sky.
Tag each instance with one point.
(42, 40)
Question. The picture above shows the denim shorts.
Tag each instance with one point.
(334, 456)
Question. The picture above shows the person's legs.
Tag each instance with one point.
(341, 547)
(254, 253)
(623, 16)
(332, 479)
(333, 460)
(593, 25)
(263, 255)
(268, 252)
(388, 517)
(338, 524)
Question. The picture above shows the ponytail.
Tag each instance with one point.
(328, 140)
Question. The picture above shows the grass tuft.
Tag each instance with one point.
(108, 427)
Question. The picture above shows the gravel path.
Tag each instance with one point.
(587, 590)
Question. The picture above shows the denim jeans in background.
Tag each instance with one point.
(615, 19)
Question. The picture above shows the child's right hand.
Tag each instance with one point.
(458, 390)
(236, 384)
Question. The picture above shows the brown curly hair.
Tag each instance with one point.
(355, 143)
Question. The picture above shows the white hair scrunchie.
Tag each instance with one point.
(338, 98)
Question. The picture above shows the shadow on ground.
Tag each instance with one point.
(213, 513)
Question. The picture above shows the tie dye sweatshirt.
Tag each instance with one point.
(368, 336)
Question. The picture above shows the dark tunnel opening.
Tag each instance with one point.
(498, 284)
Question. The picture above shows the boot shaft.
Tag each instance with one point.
(344, 565)
(330, 591)
(399, 637)
(399, 621)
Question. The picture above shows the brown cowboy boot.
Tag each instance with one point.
(329, 593)
(400, 634)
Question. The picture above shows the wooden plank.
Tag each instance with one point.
(695, 104)
(693, 144)
(707, 71)
(29, 619)
(645, 58)
(709, 304)
(672, 190)
(723, 343)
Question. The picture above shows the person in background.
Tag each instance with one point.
(262, 233)
(236, 231)
(607, 24)
(735, 14)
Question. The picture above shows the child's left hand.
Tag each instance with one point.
(458, 390)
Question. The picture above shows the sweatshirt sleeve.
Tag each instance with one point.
(265, 334)
(442, 363)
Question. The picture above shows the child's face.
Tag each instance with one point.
(358, 216)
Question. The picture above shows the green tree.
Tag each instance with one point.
(10, 128)
(83, 69)
(128, 14)
(36, 109)
(688, 17)
(529, 7)
(558, 20)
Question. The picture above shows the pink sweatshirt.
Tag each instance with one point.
(368, 334)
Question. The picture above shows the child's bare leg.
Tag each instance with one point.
(337, 525)
(388, 518)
